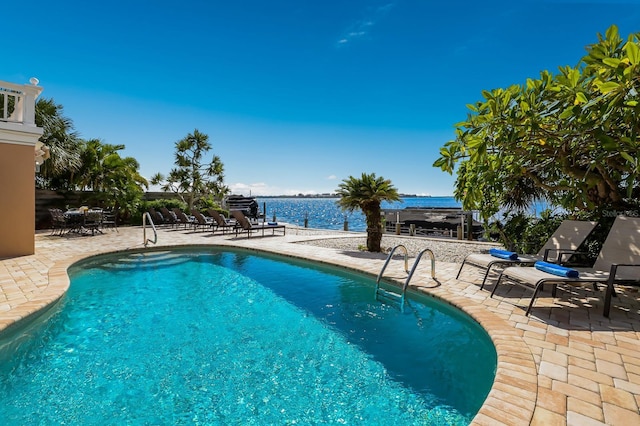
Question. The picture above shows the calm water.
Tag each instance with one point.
(213, 337)
(323, 213)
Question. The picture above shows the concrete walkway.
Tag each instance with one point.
(564, 365)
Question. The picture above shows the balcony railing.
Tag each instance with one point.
(18, 102)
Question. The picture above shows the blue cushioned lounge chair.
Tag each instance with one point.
(564, 241)
(617, 262)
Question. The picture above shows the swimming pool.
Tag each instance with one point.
(209, 336)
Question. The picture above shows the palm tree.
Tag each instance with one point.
(63, 142)
(112, 178)
(193, 179)
(123, 183)
(95, 168)
(366, 193)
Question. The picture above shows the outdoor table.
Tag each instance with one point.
(84, 221)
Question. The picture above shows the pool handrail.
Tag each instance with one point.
(406, 263)
(415, 264)
(145, 216)
(401, 296)
(386, 263)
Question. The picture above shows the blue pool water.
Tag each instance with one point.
(204, 336)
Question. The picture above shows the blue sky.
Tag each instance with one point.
(294, 95)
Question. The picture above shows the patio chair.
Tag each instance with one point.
(183, 219)
(566, 239)
(617, 262)
(93, 221)
(201, 221)
(221, 222)
(75, 220)
(110, 219)
(169, 217)
(157, 217)
(244, 225)
(58, 221)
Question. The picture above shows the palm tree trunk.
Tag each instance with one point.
(374, 227)
(374, 237)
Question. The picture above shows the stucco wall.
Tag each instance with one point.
(17, 216)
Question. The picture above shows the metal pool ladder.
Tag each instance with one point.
(146, 216)
(401, 296)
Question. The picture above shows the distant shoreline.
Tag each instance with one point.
(337, 196)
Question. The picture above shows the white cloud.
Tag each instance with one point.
(260, 188)
(332, 177)
(361, 28)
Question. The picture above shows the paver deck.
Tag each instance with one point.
(565, 364)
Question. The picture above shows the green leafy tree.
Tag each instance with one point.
(115, 180)
(90, 165)
(92, 172)
(123, 184)
(193, 179)
(366, 193)
(571, 139)
(63, 142)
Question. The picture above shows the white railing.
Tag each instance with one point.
(18, 102)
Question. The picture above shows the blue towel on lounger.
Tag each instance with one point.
(272, 223)
(503, 254)
(559, 270)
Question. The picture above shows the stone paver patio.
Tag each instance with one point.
(565, 364)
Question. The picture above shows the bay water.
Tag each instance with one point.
(324, 213)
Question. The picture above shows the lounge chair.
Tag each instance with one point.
(169, 217)
(617, 262)
(183, 219)
(201, 221)
(565, 240)
(244, 225)
(221, 222)
(157, 217)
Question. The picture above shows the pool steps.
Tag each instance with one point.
(158, 259)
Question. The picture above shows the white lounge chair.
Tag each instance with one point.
(565, 240)
(618, 261)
